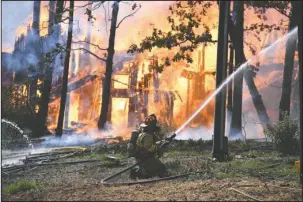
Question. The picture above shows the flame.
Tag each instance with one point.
(53, 113)
(73, 108)
(44, 12)
(39, 82)
(121, 82)
(119, 113)
(37, 107)
(85, 101)
(38, 93)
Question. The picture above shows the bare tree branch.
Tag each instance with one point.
(108, 10)
(125, 2)
(98, 5)
(283, 13)
(89, 3)
(105, 19)
(103, 49)
(93, 54)
(128, 16)
(85, 5)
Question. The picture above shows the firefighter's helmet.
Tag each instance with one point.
(150, 121)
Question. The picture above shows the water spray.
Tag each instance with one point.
(227, 80)
(20, 131)
(231, 77)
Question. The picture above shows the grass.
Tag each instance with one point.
(174, 153)
(223, 175)
(253, 164)
(21, 186)
(95, 155)
(98, 155)
(246, 164)
(284, 171)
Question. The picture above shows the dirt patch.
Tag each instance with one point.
(185, 190)
(82, 182)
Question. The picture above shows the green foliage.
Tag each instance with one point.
(173, 164)
(237, 144)
(285, 135)
(15, 109)
(45, 64)
(21, 186)
(10, 108)
(185, 18)
(175, 153)
(261, 6)
(222, 175)
(6, 95)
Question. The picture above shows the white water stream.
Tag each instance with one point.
(293, 33)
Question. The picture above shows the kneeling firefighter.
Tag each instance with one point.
(146, 145)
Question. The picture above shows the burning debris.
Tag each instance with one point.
(137, 88)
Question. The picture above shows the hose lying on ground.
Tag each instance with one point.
(145, 181)
(168, 140)
(104, 181)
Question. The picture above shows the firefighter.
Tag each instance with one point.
(147, 145)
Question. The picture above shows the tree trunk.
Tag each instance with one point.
(236, 119)
(65, 73)
(230, 85)
(284, 107)
(220, 105)
(47, 83)
(51, 15)
(109, 68)
(248, 77)
(36, 18)
(256, 98)
(298, 16)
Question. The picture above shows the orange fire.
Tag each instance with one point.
(44, 11)
(85, 102)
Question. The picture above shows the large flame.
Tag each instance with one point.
(85, 102)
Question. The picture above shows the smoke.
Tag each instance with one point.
(68, 140)
(196, 133)
(236, 136)
(88, 137)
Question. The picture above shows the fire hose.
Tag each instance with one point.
(104, 181)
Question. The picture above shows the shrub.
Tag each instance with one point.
(20, 186)
(284, 135)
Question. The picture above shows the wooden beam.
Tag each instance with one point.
(72, 86)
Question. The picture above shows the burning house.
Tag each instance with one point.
(137, 89)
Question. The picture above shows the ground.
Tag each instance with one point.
(260, 175)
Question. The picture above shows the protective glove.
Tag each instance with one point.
(162, 143)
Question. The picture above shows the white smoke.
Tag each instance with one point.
(68, 140)
(196, 133)
(93, 136)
